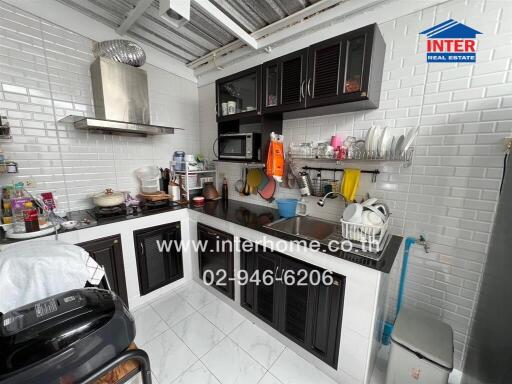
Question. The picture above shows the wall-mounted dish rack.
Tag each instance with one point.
(405, 157)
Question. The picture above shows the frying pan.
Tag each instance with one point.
(268, 192)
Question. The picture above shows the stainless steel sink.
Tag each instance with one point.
(305, 227)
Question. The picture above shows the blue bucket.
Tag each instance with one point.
(287, 207)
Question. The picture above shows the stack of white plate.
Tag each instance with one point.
(380, 144)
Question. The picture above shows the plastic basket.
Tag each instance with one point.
(374, 234)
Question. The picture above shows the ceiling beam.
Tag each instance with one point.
(268, 30)
(226, 22)
(133, 15)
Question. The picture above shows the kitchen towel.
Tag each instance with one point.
(34, 270)
(350, 183)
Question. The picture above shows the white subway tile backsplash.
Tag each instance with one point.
(44, 75)
(450, 192)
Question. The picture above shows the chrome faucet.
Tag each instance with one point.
(423, 241)
(321, 202)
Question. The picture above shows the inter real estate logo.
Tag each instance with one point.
(451, 42)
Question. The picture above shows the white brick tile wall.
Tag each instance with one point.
(44, 76)
(450, 192)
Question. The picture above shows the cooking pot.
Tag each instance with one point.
(108, 198)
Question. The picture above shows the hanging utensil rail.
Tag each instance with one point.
(374, 173)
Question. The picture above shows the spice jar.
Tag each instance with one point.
(12, 167)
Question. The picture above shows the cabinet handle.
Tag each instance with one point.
(309, 86)
(141, 248)
(116, 241)
(302, 88)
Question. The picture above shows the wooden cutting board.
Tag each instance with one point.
(155, 196)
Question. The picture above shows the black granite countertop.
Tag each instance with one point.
(86, 219)
(248, 215)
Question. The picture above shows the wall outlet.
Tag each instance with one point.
(30, 183)
(508, 144)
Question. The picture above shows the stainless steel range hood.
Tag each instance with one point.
(121, 101)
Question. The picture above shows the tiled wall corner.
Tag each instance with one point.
(44, 76)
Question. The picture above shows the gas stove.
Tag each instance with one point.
(106, 212)
(122, 210)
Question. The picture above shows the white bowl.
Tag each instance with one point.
(371, 218)
(371, 223)
(353, 213)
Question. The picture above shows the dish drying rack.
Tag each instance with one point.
(369, 238)
(404, 157)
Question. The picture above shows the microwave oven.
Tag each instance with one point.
(240, 146)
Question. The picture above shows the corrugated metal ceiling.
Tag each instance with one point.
(197, 37)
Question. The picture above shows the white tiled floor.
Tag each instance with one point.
(194, 338)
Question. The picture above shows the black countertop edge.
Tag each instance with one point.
(255, 217)
(248, 215)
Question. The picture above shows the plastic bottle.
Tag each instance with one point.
(30, 216)
(18, 206)
(225, 189)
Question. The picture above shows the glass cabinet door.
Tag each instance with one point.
(354, 63)
(238, 95)
(272, 85)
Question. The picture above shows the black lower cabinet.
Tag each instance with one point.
(108, 253)
(159, 259)
(216, 259)
(265, 296)
(299, 303)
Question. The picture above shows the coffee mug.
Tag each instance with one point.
(231, 107)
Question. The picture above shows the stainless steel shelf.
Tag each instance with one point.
(404, 159)
(196, 172)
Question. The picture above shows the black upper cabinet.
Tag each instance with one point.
(342, 74)
(216, 259)
(325, 67)
(159, 262)
(108, 253)
(238, 95)
(341, 69)
(284, 81)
